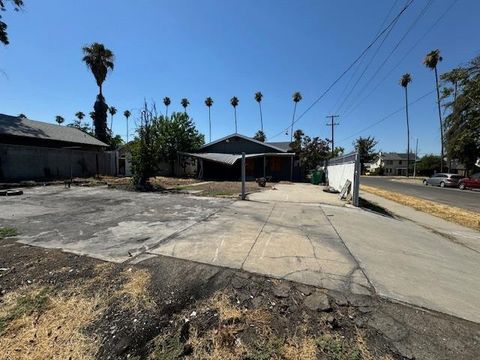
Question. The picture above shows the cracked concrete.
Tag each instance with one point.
(334, 247)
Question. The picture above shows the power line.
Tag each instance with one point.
(347, 85)
(403, 58)
(348, 68)
(414, 23)
(388, 116)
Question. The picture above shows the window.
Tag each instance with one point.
(389, 162)
(399, 162)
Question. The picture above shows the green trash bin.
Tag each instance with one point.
(316, 177)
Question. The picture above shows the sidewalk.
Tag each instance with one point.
(456, 233)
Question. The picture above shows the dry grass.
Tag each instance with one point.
(42, 326)
(450, 213)
(300, 349)
(135, 289)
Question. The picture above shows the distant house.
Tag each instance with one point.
(221, 159)
(32, 150)
(393, 164)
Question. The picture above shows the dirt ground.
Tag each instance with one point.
(55, 305)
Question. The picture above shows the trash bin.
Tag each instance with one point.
(316, 177)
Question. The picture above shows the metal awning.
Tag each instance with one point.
(230, 159)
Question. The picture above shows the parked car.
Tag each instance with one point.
(443, 180)
(473, 182)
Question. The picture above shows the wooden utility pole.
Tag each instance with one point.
(333, 124)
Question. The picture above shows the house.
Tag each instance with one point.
(393, 164)
(221, 159)
(33, 150)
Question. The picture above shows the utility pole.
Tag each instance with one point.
(333, 124)
(415, 160)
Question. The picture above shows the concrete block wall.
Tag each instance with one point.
(19, 162)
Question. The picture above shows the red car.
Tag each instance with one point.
(473, 182)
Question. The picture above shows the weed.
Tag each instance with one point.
(6, 231)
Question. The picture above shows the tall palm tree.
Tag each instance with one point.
(296, 97)
(185, 103)
(112, 110)
(258, 99)
(234, 102)
(209, 103)
(59, 119)
(99, 60)
(431, 61)
(127, 114)
(166, 102)
(404, 81)
(80, 115)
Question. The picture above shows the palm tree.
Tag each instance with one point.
(166, 102)
(234, 103)
(99, 60)
(404, 81)
(80, 115)
(296, 97)
(92, 116)
(127, 114)
(209, 103)
(431, 61)
(258, 98)
(112, 110)
(185, 103)
(59, 119)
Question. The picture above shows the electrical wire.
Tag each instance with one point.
(347, 69)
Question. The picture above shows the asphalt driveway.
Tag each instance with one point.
(465, 199)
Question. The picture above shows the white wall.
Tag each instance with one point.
(339, 174)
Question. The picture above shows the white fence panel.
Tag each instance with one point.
(344, 168)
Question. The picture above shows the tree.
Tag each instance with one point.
(127, 114)
(23, 116)
(161, 139)
(366, 149)
(260, 136)
(59, 119)
(209, 103)
(112, 110)
(404, 81)
(462, 125)
(258, 99)
(79, 115)
(431, 61)
(17, 5)
(296, 97)
(185, 103)
(338, 151)
(77, 123)
(166, 102)
(234, 102)
(428, 164)
(174, 134)
(312, 152)
(99, 60)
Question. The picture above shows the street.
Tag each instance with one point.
(466, 199)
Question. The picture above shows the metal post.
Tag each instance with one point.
(264, 166)
(243, 176)
(356, 181)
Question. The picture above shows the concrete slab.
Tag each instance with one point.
(409, 263)
(298, 193)
(282, 240)
(106, 224)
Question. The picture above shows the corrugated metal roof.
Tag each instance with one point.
(15, 126)
(230, 159)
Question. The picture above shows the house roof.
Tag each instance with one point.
(230, 159)
(396, 156)
(245, 138)
(23, 127)
(285, 145)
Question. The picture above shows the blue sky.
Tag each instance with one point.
(196, 49)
